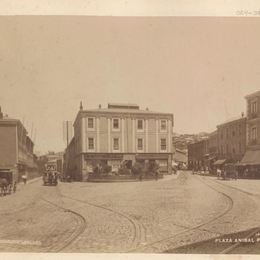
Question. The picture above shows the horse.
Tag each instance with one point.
(3, 186)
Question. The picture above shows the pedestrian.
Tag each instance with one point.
(156, 174)
(218, 173)
(246, 173)
(14, 188)
(24, 178)
(236, 174)
(224, 174)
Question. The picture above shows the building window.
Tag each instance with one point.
(239, 147)
(233, 133)
(254, 107)
(116, 123)
(163, 125)
(227, 133)
(140, 145)
(140, 124)
(234, 150)
(227, 151)
(90, 143)
(116, 144)
(254, 133)
(163, 144)
(90, 123)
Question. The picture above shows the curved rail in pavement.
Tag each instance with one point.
(229, 208)
(137, 230)
(74, 236)
(234, 246)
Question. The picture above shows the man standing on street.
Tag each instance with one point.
(24, 178)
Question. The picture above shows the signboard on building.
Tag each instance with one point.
(103, 156)
(152, 156)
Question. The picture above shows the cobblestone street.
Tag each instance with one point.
(149, 216)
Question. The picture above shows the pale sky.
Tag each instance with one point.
(199, 69)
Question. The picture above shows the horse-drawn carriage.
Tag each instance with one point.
(229, 171)
(8, 180)
(50, 176)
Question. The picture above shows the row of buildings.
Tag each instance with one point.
(16, 153)
(237, 140)
(116, 135)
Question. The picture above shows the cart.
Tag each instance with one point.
(7, 182)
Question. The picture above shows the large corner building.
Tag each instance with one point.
(116, 134)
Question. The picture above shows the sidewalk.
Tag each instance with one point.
(21, 185)
(247, 185)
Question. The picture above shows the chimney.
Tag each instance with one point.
(80, 107)
(1, 114)
(147, 109)
(99, 106)
(242, 114)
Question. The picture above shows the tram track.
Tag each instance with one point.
(137, 227)
(230, 243)
(196, 227)
(235, 188)
(231, 248)
(82, 225)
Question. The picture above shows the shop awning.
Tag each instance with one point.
(219, 162)
(251, 158)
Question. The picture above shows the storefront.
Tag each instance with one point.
(116, 160)
(164, 161)
(97, 161)
(250, 164)
(251, 157)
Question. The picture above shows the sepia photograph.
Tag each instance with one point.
(130, 134)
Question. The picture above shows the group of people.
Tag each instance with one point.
(6, 187)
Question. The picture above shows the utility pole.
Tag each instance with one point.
(67, 125)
